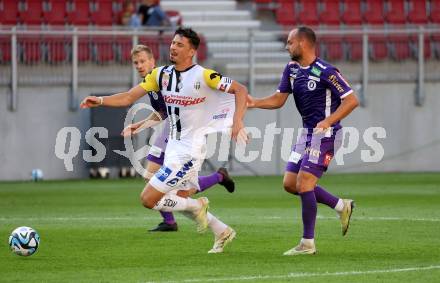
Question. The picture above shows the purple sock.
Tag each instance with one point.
(205, 182)
(168, 217)
(309, 210)
(324, 197)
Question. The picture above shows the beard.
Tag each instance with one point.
(295, 57)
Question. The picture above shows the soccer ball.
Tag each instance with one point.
(37, 175)
(24, 241)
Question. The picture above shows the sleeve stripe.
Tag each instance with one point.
(347, 93)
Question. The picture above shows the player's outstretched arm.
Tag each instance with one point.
(241, 94)
(273, 101)
(152, 120)
(122, 99)
(348, 104)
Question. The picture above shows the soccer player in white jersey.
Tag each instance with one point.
(323, 98)
(199, 101)
(143, 60)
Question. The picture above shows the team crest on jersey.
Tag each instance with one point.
(197, 85)
(154, 95)
(311, 85)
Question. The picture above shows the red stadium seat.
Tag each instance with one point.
(378, 47)
(175, 17)
(309, 12)
(330, 15)
(332, 47)
(435, 39)
(285, 13)
(103, 49)
(8, 12)
(152, 42)
(56, 12)
(396, 12)
(32, 12)
(435, 11)
(417, 12)
(30, 47)
(352, 14)
(103, 15)
(354, 47)
(5, 49)
(79, 13)
(374, 12)
(123, 47)
(84, 49)
(56, 48)
(400, 49)
(202, 52)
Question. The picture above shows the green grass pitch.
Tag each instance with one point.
(96, 231)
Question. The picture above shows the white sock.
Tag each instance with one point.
(216, 225)
(340, 205)
(308, 242)
(172, 202)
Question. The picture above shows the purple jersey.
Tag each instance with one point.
(158, 103)
(317, 90)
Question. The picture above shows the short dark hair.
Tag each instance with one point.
(307, 33)
(192, 36)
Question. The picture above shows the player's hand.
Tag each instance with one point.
(239, 133)
(130, 130)
(250, 101)
(91, 101)
(322, 127)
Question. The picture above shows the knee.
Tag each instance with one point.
(146, 201)
(302, 187)
(290, 188)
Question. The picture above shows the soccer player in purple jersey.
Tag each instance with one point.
(323, 98)
(143, 61)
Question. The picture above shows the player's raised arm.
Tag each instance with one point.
(123, 99)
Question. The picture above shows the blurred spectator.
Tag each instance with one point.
(128, 17)
(143, 11)
(155, 15)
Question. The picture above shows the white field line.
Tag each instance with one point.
(155, 217)
(304, 274)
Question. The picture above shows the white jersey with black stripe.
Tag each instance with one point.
(196, 100)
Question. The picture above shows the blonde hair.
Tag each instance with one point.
(141, 48)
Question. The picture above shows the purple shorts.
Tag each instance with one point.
(158, 160)
(313, 153)
(157, 150)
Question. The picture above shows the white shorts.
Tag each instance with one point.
(180, 170)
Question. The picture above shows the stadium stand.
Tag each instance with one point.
(395, 12)
(102, 13)
(31, 13)
(374, 14)
(55, 12)
(352, 13)
(417, 13)
(8, 12)
(78, 13)
(218, 20)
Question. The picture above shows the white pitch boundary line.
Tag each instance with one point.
(304, 274)
(362, 218)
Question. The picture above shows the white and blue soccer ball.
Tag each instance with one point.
(24, 241)
(37, 175)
